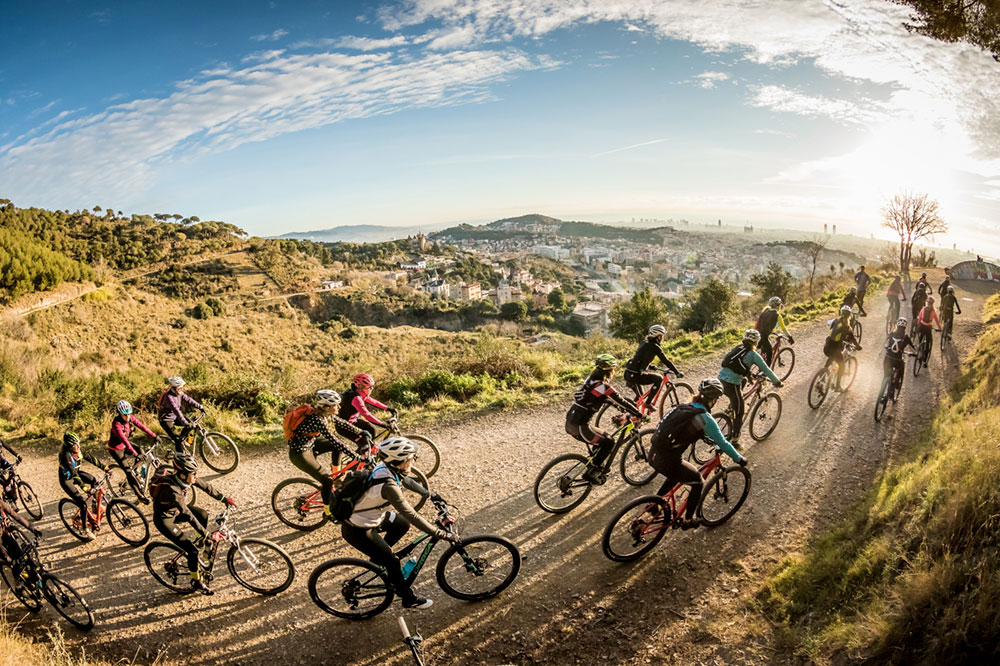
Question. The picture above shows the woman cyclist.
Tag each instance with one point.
(840, 334)
(920, 292)
(119, 445)
(927, 316)
(895, 345)
(736, 371)
(769, 318)
(596, 390)
(170, 411)
(74, 481)
(649, 349)
(354, 406)
(894, 292)
(382, 516)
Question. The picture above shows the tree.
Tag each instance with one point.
(973, 21)
(514, 311)
(557, 299)
(775, 281)
(913, 217)
(711, 304)
(631, 320)
(813, 249)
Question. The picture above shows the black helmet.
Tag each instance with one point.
(185, 462)
(71, 439)
(710, 388)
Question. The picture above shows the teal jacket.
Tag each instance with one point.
(752, 357)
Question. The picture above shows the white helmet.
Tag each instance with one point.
(656, 329)
(327, 398)
(397, 449)
(175, 382)
(901, 322)
(752, 334)
(846, 310)
(774, 301)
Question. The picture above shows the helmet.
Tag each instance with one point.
(656, 329)
(185, 462)
(710, 388)
(752, 334)
(854, 290)
(930, 300)
(923, 275)
(363, 380)
(901, 322)
(606, 362)
(175, 382)
(71, 439)
(327, 398)
(774, 301)
(397, 449)
(951, 289)
(124, 407)
(846, 310)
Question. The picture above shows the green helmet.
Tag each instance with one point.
(71, 439)
(606, 362)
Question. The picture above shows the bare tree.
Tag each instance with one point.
(913, 217)
(813, 249)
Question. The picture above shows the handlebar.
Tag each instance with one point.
(403, 627)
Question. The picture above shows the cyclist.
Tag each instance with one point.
(928, 315)
(382, 516)
(862, 279)
(354, 407)
(840, 334)
(303, 447)
(596, 390)
(119, 444)
(171, 509)
(735, 372)
(10, 552)
(768, 318)
(851, 299)
(923, 281)
(649, 349)
(894, 292)
(945, 285)
(918, 301)
(170, 411)
(895, 345)
(949, 306)
(7, 470)
(682, 426)
(74, 481)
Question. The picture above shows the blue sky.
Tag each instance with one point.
(279, 116)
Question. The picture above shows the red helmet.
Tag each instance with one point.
(363, 381)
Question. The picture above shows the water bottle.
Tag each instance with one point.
(142, 471)
(408, 565)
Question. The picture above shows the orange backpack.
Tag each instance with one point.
(294, 417)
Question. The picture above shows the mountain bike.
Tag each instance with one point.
(923, 354)
(667, 394)
(826, 377)
(782, 357)
(764, 409)
(474, 569)
(428, 449)
(31, 583)
(298, 502)
(560, 486)
(643, 522)
(144, 467)
(855, 324)
(217, 450)
(259, 565)
(889, 392)
(18, 490)
(947, 324)
(124, 517)
(412, 641)
(892, 315)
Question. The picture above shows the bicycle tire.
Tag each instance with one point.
(382, 592)
(918, 363)
(64, 598)
(425, 444)
(417, 500)
(118, 482)
(20, 590)
(68, 510)
(169, 571)
(677, 392)
(819, 387)
(634, 462)
(600, 414)
(784, 362)
(850, 373)
(448, 579)
(766, 408)
(702, 449)
(883, 399)
(563, 483)
(291, 509)
(29, 500)
(122, 515)
(625, 524)
(285, 574)
(856, 328)
(227, 450)
(718, 487)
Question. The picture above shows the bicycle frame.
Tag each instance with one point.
(670, 497)
(619, 435)
(96, 494)
(647, 401)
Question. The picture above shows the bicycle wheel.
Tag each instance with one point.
(350, 588)
(428, 451)
(27, 594)
(168, 565)
(69, 513)
(883, 399)
(480, 567)
(600, 414)
(918, 363)
(29, 500)
(298, 504)
(219, 452)
(559, 486)
(856, 329)
(818, 388)
(850, 372)
(633, 464)
(724, 495)
(67, 602)
(784, 362)
(417, 500)
(674, 394)
(702, 449)
(764, 416)
(127, 522)
(636, 528)
(118, 484)
(261, 566)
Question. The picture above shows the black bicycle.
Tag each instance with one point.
(923, 354)
(891, 386)
(18, 489)
(947, 324)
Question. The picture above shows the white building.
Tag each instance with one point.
(551, 251)
(470, 292)
(438, 289)
(417, 264)
(593, 315)
(503, 292)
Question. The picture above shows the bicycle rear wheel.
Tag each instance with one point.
(478, 568)
(850, 372)
(118, 483)
(27, 594)
(764, 416)
(127, 522)
(636, 528)
(818, 388)
(428, 451)
(883, 399)
(69, 513)
(168, 565)
(298, 504)
(702, 449)
(672, 395)
(67, 602)
(784, 362)
(219, 452)
(559, 486)
(350, 588)
(417, 500)
(261, 566)
(918, 363)
(634, 464)
(29, 500)
(724, 495)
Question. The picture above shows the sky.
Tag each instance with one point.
(280, 116)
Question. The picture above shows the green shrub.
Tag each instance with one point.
(202, 311)
(268, 406)
(216, 305)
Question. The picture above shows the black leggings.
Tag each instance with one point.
(861, 302)
(306, 461)
(126, 460)
(361, 424)
(177, 434)
(735, 394)
(379, 549)
(638, 381)
(170, 528)
(74, 491)
(591, 437)
(677, 471)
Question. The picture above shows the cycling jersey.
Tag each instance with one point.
(69, 465)
(896, 289)
(840, 332)
(121, 430)
(171, 498)
(353, 405)
(648, 350)
(593, 394)
(896, 344)
(371, 507)
(4, 463)
(768, 319)
(737, 363)
(943, 287)
(928, 315)
(314, 426)
(665, 442)
(850, 300)
(949, 302)
(170, 407)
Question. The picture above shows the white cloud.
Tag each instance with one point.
(787, 100)
(270, 36)
(708, 80)
(353, 43)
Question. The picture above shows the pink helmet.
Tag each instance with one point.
(363, 380)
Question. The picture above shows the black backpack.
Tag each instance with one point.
(355, 485)
(675, 431)
(734, 360)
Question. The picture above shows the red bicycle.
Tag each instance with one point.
(667, 393)
(782, 357)
(124, 517)
(298, 502)
(641, 523)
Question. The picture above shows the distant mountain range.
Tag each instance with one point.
(363, 233)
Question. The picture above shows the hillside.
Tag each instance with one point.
(363, 233)
(537, 228)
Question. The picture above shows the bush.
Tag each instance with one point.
(217, 305)
(202, 311)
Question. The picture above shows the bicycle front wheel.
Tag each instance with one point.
(417, 500)
(764, 417)
(724, 495)
(784, 362)
(21, 588)
(850, 372)
(918, 363)
(71, 517)
(818, 388)
(127, 522)
(428, 451)
(480, 567)
(634, 463)
(67, 602)
(560, 487)
(168, 565)
(856, 329)
(219, 452)
(261, 566)
(883, 399)
(298, 504)
(636, 528)
(674, 394)
(350, 588)
(29, 500)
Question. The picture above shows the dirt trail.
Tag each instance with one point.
(569, 604)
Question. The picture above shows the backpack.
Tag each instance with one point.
(161, 479)
(766, 321)
(674, 431)
(294, 417)
(734, 360)
(344, 499)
